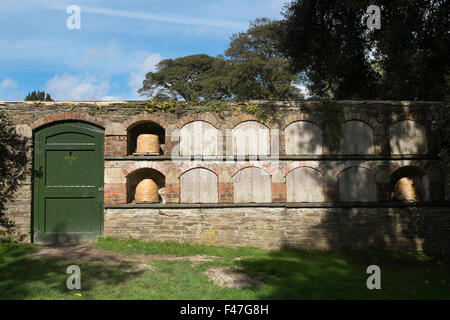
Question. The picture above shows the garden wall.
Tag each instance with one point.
(261, 173)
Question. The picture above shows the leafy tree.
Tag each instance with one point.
(187, 77)
(38, 96)
(327, 40)
(13, 168)
(259, 69)
(413, 49)
(406, 59)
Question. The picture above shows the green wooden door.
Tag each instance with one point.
(68, 183)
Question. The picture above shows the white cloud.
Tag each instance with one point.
(70, 87)
(10, 90)
(177, 19)
(8, 84)
(144, 63)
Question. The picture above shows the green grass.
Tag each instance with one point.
(286, 274)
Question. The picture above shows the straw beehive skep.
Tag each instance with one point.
(147, 191)
(147, 143)
(404, 190)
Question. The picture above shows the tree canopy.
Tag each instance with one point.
(406, 59)
(259, 69)
(188, 78)
(252, 68)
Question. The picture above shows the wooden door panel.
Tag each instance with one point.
(68, 166)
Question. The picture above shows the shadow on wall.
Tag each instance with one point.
(14, 169)
(409, 228)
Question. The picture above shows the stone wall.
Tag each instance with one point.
(377, 139)
(406, 228)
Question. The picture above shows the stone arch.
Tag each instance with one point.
(206, 117)
(130, 122)
(357, 137)
(420, 184)
(407, 137)
(136, 176)
(252, 184)
(250, 117)
(299, 164)
(68, 116)
(291, 118)
(186, 166)
(357, 183)
(158, 166)
(199, 185)
(304, 184)
(303, 137)
(257, 164)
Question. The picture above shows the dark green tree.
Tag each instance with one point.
(406, 59)
(191, 78)
(38, 96)
(13, 169)
(259, 69)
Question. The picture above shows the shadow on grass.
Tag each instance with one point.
(25, 277)
(304, 274)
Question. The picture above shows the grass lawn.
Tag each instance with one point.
(283, 274)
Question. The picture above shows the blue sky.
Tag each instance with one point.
(118, 42)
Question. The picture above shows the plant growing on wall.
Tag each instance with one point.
(165, 106)
(334, 117)
(13, 169)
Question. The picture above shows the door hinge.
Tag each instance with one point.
(101, 189)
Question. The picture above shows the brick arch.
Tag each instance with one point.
(300, 117)
(256, 164)
(158, 166)
(371, 121)
(372, 126)
(145, 117)
(395, 165)
(65, 116)
(250, 117)
(356, 166)
(405, 116)
(300, 164)
(336, 171)
(207, 117)
(187, 166)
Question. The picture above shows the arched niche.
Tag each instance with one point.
(144, 127)
(199, 138)
(356, 138)
(407, 137)
(357, 184)
(199, 185)
(252, 185)
(410, 183)
(303, 137)
(251, 138)
(304, 185)
(137, 176)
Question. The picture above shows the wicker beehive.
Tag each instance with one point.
(147, 143)
(404, 190)
(147, 191)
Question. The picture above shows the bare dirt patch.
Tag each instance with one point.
(90, 253)
(231, 278)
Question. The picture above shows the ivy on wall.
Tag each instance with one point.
(334, 117)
